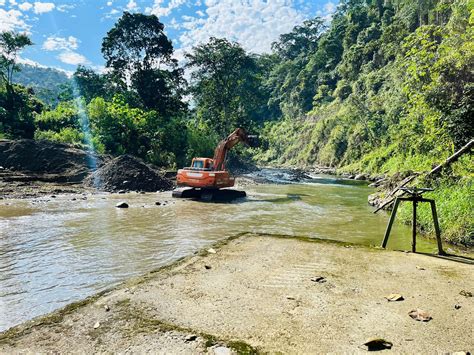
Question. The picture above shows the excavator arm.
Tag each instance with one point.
(220, 154)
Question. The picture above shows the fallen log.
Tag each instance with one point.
(453, 157)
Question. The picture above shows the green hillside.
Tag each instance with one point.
(47, 83)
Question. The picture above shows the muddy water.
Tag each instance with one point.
(55, 250)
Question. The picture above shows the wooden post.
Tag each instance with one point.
(437, 229)
(390, 222)
(413, 242)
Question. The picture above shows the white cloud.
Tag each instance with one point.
(328, 11)
(2, 2)
(73, 58)
(12, 2)
(25, 6)
(30, 62)
(132, 5)
(66, 46)
(254, 24)
(39, 65)
(160, 10)
(12, 21)
(112, 14)
(61, 43)
(65, 8)
(42, 7)
(109, 3)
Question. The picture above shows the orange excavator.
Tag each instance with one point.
(205, 177)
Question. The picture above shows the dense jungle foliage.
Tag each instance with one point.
(47, 83)
(386, 86)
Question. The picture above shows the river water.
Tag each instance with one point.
(57, 250)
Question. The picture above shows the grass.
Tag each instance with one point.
(455, 207)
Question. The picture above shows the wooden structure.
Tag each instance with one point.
(415, 196)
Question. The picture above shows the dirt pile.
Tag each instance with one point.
(47, 161)
(127, 173)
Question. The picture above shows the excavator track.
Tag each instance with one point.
(208, 194)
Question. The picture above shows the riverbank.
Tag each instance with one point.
(35, 168)
(265, 293)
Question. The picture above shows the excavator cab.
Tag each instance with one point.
(201, 164)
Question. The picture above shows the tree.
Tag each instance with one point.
(302, 39)
(226, 85)
(89, 83)
(139, 56)
(17, 104)
(11, 44)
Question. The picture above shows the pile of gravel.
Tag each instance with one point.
(127, 173)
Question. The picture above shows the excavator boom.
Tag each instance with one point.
(220, 154)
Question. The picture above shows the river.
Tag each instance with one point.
(57, 250)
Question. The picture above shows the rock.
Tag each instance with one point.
(221, 350)
(393, 297)
(207, 267)
(107, 308)
(122, 205)
(191, 338)
(375, 200)
(420, 315)
(158, 203)
(290, 298)
(96, 325)
(351, 177)
(53, 196)
(360, 177)
(420, 267)
(319, 279)
(211, 251)
(121, 191)
(465, 293)
(377, 183)
(374, 344)
(73, 199)
(457, 306)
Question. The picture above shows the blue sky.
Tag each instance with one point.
(68, 33)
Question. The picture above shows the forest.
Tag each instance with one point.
(385, 87)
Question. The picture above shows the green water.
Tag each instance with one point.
(55, 250)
